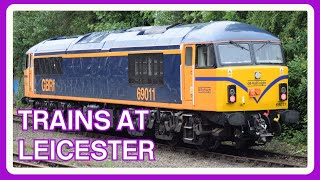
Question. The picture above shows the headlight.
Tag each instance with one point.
(232, 93)
(283, 91)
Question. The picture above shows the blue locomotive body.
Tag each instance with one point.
(107, 78)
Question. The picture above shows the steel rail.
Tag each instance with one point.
(46, 163)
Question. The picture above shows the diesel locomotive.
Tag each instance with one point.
(204, 83)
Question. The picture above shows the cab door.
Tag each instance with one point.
(26, 76)
(188, 72)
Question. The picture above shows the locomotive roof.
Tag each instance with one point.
(152, 37)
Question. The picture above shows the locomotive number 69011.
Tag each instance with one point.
(146, 94)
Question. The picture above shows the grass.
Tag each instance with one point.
(279, 146)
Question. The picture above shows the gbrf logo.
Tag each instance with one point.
(48, 85)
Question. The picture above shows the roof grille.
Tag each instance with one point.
(64, 37)
(157, 29)
(94, 37)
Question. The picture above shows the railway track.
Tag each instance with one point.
(39, 164)
(296, 161)
(25, 164)
(230, 157)
(252, 156)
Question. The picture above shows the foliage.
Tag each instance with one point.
(31, 28)
(17, 97)
(120, 20)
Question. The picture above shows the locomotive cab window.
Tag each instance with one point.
(234, 53)
(27, 62)
(188, 56)
(31, 62)
(145, 69)
(267, 53)
(205, 56)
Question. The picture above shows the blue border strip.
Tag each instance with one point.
(242, 85)
(222, 79)
(270, 85)
(173, 47)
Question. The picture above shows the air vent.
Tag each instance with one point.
(94, 37)
(157, 29)
(65, 37)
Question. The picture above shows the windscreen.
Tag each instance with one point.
(268, 53)
(237, 53)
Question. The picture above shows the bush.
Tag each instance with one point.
(17, 97)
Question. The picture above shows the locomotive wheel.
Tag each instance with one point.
(51, 113)
(244, 144)
(175, 140)
(216, 144)
(209, 145)
(202, 147)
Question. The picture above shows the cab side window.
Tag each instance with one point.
(26, 62)
(188, 61)
(205, 56)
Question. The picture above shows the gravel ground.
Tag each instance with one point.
(164, 158)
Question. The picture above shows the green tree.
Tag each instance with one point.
(30, 28)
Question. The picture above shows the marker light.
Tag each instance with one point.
(283, 90)
(232, 99)
(258, 91)
(257, 75)
(252, 93)
(232, 93)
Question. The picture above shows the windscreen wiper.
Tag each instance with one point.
(262, 45)
(238, 45)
